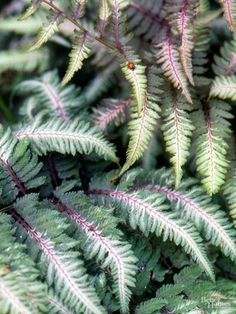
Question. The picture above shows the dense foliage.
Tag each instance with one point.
(117, 156)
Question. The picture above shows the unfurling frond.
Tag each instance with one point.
(142, 125)
(168, 57)
(80, 51)
(95, 231)
(224, 87)
(110, 110)
(18, 168)
(64, 138)
(229, 7)
(212, 127)
(177, 130)
(47, 31)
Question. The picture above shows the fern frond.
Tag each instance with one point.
(193, 204)
(110, 110)
(191, 293)
(149, 213)
(224, 87)
(225, 63)
(12, 24)
(136, 77)
(142, 125)
(47, 31)
(229, 7)
(50, 96)
(185, 29)
(229, 190)
(96, 231)
(56, 306)
(21, 60)
(186, 47)
(150, 306)
(145, 20)
(135, 74)
(104, 15)
(43, 232)
(30, 10)
(177, 129)
(18, 168)
(168, 57)
(200, 56)
(20, 290)
(64, 138)
(78, 8)
(80, 51)
(212, 128)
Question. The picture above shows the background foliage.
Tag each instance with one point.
(117, 156)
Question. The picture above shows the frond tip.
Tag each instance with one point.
(168, 57)
(80, 51)
(142, 125)
(47, 31)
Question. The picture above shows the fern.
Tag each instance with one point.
(77, 235)
(21, 60)
(110, 110)
(148, 213)
(229, 192)
(192, 203)
(185, 29)
(80, 52)
(51, 96)
(57, 136)
(225, 63)
(177, 130)
(167, 56)
(18, 168)
(198, 293)
(104, 15)
(136, 73)
(142, 126)
(29, 26)
(229, 7)
(213, 128)
(62, 264)
(111, 251)
(20, 289)
(47, 31)
(223, 87)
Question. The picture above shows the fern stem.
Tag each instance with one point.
(78, 25)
